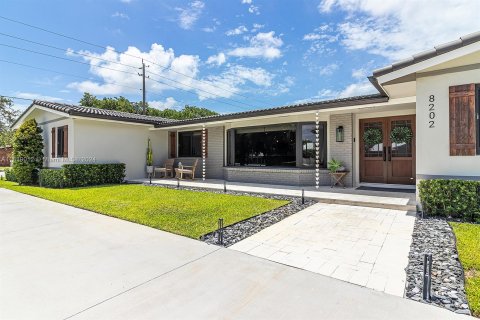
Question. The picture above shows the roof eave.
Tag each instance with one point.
(310, 107)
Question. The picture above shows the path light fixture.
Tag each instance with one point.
(340, 134)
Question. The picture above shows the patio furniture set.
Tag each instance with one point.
(182, 170)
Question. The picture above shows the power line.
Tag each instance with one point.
(65, 74)
(119, 63)
(62, 58)
(16, 98)
(211, 93)
(66, 50)
(123, 71)
(127, 54)
(170, 85)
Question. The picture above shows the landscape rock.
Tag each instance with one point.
(434, 235)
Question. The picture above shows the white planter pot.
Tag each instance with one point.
(149, 169)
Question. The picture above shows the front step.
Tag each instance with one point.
(394, 203)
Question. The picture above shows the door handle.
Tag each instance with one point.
(389, 153)
(384, 153)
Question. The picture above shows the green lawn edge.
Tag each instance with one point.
(183, 212)
(468, 246)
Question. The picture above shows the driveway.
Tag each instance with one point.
(58, 262)
(361, 245)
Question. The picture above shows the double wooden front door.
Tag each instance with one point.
(381, 159)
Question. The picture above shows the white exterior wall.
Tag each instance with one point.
(433, 144)
(114, 142)
(47, 121)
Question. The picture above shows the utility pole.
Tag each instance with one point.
(143, 87)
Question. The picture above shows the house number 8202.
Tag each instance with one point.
(431, 111)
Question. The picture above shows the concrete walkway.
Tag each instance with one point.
(349, 196)
(58, 262)
(365, 246)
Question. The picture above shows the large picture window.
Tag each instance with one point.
(190, 144)
(282, 145)
(266, 146)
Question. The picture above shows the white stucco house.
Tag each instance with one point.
(430, 101)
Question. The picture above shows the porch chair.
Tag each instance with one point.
(188, 170)
(166, 170)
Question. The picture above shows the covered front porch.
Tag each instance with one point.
(398, 200)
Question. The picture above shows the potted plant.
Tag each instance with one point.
(335, 166)
(149, 158)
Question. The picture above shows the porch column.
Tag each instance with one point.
(203, 151)
(317, 151)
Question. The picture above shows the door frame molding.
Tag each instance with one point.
(386, 124)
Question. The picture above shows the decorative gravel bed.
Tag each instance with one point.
(245, 228)
(435, 236)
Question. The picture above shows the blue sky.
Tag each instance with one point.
(226, 55)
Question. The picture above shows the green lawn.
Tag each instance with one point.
(188, 213)
(468, 245)
(3, 168)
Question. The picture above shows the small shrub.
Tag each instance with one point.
(450, 198)
(10, 175)
(52, 178)
(81, 175)
(27, 152)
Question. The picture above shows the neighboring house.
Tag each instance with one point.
(435, 94)
(5, 156)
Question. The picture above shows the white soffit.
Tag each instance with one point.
(459, 53)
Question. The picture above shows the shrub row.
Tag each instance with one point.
(450, 198)
(81, 175)
(52, 178)
(10, 175)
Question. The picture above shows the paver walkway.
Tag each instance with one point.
(59, 262)
(365, 246)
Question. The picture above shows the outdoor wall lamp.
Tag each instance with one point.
(340, 134)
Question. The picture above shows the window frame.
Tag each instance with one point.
(191, 154)
(60, 142)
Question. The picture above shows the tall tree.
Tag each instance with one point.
(7, 117)
(27, 152)
(125, 105)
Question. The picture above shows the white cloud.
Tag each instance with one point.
(218, 59)
(359, 73)
(328, 69)
(254, 9)
(246, 1)
(188, 16)
(357, 89)
(185, 74)
(120, 15)
(397, 29)
(238, 30)
(263, 45)
(168, 103)
(209, 29)
(256, 27)
(37, 96)
(321, 40)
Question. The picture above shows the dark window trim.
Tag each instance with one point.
(60, 142)
(298, 143)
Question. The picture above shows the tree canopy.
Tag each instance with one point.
(125, 105)
(7, 117)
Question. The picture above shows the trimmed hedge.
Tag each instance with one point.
(10, 175)
(81, 175)
(451, 198)
(52, 178)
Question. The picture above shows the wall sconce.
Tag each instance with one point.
(340, 134)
